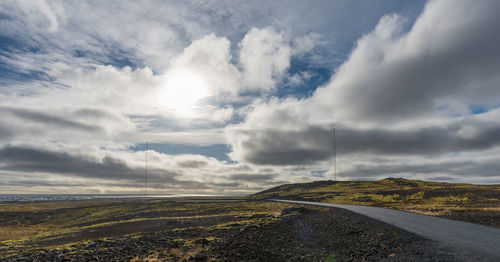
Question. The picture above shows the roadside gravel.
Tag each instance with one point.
(298, 234)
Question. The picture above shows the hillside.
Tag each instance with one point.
(467, 202)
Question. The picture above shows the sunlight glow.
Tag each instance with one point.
(183, 91)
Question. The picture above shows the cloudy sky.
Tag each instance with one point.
(239, 96)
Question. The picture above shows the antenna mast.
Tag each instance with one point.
(146, 177)
(334, 156)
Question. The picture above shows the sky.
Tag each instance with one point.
(233, 97)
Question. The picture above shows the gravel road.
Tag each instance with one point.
(474, 241)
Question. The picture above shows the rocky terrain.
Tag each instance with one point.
(233, 232)
(244, 229)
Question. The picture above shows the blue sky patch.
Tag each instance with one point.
(477, 109)
(311, 78)
(318, 173)
(218, 151)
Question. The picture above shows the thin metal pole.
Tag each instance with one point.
(334, 156)
(146, 177)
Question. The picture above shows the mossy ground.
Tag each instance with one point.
(33, 227)
(62, 224)
(165, 230)
(467, 202)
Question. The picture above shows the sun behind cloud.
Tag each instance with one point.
(183, 91)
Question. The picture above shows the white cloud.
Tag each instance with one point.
(411, 86)
(265, 56)
(44, 15)
(210, 58)
(306, 43)
(99, 84)
(448, 55)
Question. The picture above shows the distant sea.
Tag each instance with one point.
(59, 197)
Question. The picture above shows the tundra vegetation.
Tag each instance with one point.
(42, 226)
(246, 229)
(466, 202)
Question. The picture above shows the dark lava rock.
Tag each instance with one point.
(90, 245)
(259, 216)
(202, 241)
(292, 210)
(200, 257)
(299, 234)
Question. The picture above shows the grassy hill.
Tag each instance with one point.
(466, 202)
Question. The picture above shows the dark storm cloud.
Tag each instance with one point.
(29, 183)
(253, 177)
(163, 184)
(452, 168)
(424, 141)
(314, 144)
(120, 183)
(192, 164)
(92, 113)
(228, 185)
(274, 147)
(24, 159)
(48, 120)
(5, 132)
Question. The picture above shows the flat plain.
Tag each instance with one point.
(242, 229)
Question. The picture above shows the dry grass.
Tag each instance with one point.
(432, 198)
(30, 225)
